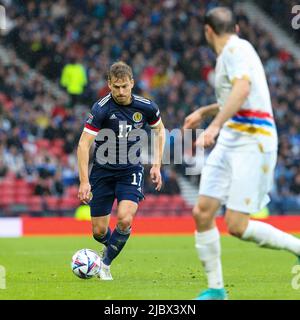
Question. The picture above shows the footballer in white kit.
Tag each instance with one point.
(239, 171)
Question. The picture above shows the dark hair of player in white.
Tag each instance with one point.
(221, 20)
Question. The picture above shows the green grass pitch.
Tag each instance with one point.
(150, 268)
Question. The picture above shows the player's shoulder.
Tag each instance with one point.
(141, 100)
(104, 101)
(236, 46)
(101, 104)
(144, 103)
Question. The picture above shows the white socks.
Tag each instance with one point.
(267, 236)
(209, 250)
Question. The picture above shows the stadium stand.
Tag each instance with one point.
(164, 43)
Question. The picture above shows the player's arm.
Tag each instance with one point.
(238, 71)
(83, 151)
(239, 94)
(90, 132)
(159, 143)
(193, 120)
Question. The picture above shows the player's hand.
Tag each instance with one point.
(156, 177)
(84, 193)
(208, 137)
(193, 120)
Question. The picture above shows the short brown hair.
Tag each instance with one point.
(120, 70)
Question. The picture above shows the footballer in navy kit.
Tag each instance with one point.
(117, 172)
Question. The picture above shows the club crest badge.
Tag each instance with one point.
(137, 117)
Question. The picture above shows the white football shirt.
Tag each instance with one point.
(254, 123)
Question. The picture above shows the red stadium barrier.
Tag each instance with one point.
(142, 225)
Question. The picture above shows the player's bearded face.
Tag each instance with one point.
(121, 89)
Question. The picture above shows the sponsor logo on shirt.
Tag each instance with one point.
(138, 125)
(113, 116)
(90, 119)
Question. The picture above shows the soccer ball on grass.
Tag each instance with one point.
(85, 263)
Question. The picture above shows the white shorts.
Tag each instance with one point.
(240, 178)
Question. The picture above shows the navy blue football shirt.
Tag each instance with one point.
(121, 120)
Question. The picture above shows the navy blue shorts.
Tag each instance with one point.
(108, 185)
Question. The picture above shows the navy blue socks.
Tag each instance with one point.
(115, 244)
(104, 239)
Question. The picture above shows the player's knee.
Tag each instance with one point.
(99, 231)
(235, 229)
(198, 211)
(202, 215)
(125, 223)
(236, 224)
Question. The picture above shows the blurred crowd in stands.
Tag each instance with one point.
(164, 43)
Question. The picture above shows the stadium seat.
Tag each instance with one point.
(56, 151)
(10, 177)
(143, 208)
(69, 203)
(177, 199)
(7, 184)
(19, 184)
(42, 143)
(35, 204)
(163, 199)
(21, 199)
(8, 192)
(58, 143)
(72, 192)
(52, 203)
(151, 199)
(27, 191)
(6, 201)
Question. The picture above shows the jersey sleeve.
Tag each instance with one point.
(95, 119)
(153, 115)
(236, 64)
